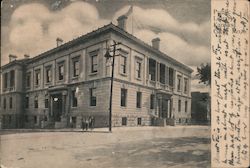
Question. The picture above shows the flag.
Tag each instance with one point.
(129, 11)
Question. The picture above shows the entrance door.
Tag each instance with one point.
(164, 108)
(57, 107)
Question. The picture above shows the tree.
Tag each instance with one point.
(204, 73)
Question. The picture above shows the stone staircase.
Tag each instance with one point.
(62, 123)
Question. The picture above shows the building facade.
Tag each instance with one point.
(61, 87)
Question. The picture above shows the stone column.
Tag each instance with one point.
(50, 106)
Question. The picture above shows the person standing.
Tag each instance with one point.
(82, 124)
(87, 123)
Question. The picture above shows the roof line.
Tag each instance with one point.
(102, 29)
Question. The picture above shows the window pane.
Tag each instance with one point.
(94, 63)
(76, 68)
(179, 105)
(185, 85)
(138, 100)
(27, 102)
(171, 77)
(152, 69)
(74, 98)
(179, 83)
(48, 75)
(162, 73)
(138, 69)
(61, 72)
(36, 102)
(123, 64)
(186, 104)
(93, 97)
(46, 103)
(123, 97)
(10, 102)
(152, 97)
(12, 78)
(38, 77)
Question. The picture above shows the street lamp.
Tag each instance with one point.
(108, 56)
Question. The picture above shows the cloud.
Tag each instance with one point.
(33, 29)
(187, 42)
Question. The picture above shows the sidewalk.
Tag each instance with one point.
(102, 130)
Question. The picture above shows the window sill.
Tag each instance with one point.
(139, 79)
(75, 77)
(49, 83)
(37, 86)
(93, 73)
(124, 74)
(152, 81)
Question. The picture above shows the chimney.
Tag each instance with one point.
(26, 56)
(122, 22)
(156, 43)
(12, 58)
(59, 41)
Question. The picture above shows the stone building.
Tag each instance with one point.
(62, 86)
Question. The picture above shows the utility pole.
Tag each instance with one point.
(108, 56)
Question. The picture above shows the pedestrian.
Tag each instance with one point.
(87, 123)
(82, 124)
(92, 122)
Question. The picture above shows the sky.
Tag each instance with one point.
(32, 26)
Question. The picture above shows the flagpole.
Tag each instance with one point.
(132, 20)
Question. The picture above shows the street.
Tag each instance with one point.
(130, 147)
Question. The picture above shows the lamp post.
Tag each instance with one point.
(108, 56)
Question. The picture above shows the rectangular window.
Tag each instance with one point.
(138, 70)
(152, 101)
(37, 77)
(138, 121)
(74, 98)
(186, 106)
(9, 119)
(12, 78)
(94, 64)
(26, 118)
(61, 71)
(28, 75)
(124, 121)
(10, 101)
(35, 119)
(76, 68)
(178, 83)
(123, 97)
(152, 69)
(5, 81)
(27, 102)
(92, 96)
(48, 75)
(36, 102)
(123, 64)
(4, 103)
(46, 103)
(138, 99)
(171, 77)
(179, 106)
(185, 85)
(162, 73)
